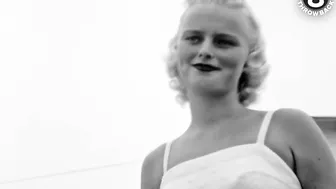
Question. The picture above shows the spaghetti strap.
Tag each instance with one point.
(166, 156)
(264, 127)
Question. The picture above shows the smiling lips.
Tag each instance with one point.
(206, 67)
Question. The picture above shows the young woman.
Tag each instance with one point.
(217, 63)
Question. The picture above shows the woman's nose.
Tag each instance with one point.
(205, 55)
(205, 51)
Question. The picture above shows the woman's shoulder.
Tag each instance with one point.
(298, 126)
(297, 123)
(292, 114)
(314, 161)
(152, 168)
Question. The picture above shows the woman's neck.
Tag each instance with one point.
(209, 112)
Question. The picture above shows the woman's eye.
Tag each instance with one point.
(224, 42)
(193, 39)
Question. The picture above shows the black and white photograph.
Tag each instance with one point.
(167, 94)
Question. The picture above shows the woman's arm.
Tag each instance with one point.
(315, 165)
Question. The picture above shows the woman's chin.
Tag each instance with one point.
(209, 89)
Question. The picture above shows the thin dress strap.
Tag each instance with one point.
(166, 156)
(264, 127)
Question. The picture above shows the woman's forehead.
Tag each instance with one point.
(212, 18)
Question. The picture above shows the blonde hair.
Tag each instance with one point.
(255, 70)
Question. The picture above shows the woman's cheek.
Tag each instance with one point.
(185, 56)
(184, 72)
(232, 60)
(187, 52)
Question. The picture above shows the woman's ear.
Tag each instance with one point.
(245, 64)
(250, 57)
(253, 60)
(174, 45)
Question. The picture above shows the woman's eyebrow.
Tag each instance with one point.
(192, 31)
(226, 35)
(220, 34)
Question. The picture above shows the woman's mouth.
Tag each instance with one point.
(206, 67)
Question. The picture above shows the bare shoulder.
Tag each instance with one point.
(152, 169)
(314, 162)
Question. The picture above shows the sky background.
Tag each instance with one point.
(83, 84)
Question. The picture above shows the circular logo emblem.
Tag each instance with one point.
(315, 4)
(315, 7)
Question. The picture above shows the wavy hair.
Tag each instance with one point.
(255, 69)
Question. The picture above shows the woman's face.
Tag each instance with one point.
(212, 48)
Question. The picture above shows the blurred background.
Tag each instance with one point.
(84, 94)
